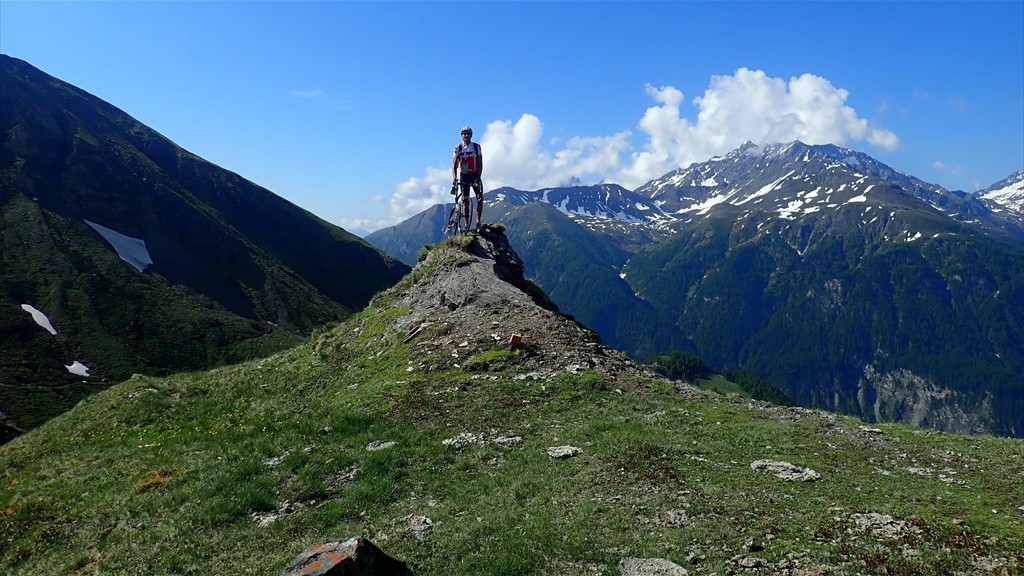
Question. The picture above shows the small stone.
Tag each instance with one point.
(377, 446)
(674, 518)
(650, 567)
(419, 526)
(563, 452)
(462, 440)
(785, 470)
(507, 440)
(748, 562)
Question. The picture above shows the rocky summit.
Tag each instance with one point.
(468, 295)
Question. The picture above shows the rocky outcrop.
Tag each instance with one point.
(467, 300)
(356, 556)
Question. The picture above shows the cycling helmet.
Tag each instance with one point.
(466, 129)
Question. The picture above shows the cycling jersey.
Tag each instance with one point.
(469, 158)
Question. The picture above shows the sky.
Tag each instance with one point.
(351, 110)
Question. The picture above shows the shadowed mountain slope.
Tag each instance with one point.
(145, 257)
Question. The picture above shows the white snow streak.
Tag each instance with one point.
(131, 250)
(78, 369)
(40, 318)
(765, 189)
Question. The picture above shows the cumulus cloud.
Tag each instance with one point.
(748, 105)
(513, 155)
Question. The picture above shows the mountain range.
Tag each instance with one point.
(123, 253)
(458, 418)
(848, 284)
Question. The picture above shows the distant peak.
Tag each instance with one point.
(748, 147)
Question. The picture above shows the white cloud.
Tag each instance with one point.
(417, 194)
(745, 106)
(748, 105)
(513, 156)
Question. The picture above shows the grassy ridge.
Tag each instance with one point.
(182, 474)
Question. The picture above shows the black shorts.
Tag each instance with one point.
(467, 180)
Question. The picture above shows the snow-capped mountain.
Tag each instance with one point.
(795, 179)
(603, 201)
(1008, 193)
(630, 219)
(788, 181)
(849, 284)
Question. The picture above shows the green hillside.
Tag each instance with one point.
(232, 271)
(414, 424)
(809, 308)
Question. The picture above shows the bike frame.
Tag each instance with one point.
(459, 221)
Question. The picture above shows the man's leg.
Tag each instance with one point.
(465, 203)
(478, 187)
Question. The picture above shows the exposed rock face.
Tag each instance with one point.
(903, 396)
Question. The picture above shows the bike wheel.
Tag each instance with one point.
(463, 215)
(468, 217)
(452, 229)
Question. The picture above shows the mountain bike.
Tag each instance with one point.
(459, 221)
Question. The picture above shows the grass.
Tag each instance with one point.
(200, 473)
(720, 384)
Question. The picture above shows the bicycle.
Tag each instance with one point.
(459, 221)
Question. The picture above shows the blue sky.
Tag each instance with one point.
(351, 109)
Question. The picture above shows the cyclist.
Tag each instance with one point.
(467, 167)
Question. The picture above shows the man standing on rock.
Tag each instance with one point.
(467, 167)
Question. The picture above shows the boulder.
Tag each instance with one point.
(356, 556)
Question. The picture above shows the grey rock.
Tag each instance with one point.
(356, 556)
(563, 452)
(650, 567)
(785, 470)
